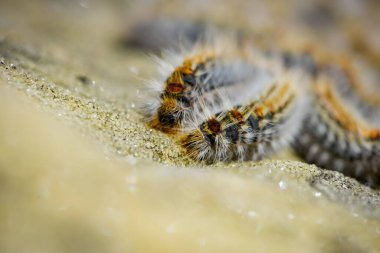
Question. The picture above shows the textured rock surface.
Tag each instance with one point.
(79, 171)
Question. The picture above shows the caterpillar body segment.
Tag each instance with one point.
(246, 132)
(334, 137)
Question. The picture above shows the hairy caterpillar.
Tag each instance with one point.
(225, 105)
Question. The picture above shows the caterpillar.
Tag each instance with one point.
(226, 105)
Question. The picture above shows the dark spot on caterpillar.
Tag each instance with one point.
(303, 61)
(288, 59)
(166, 119)
(200, 66)
(210, 139)
(189, 79)
(232, 133)
(203, 77)
(218, 114)
(237, 115)
(269, 135)
(309, 64)
(184, 101)
(168, 115)
(175, 88)
(253, 123)
(269, 115)
(214, 126)
(210, 129)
